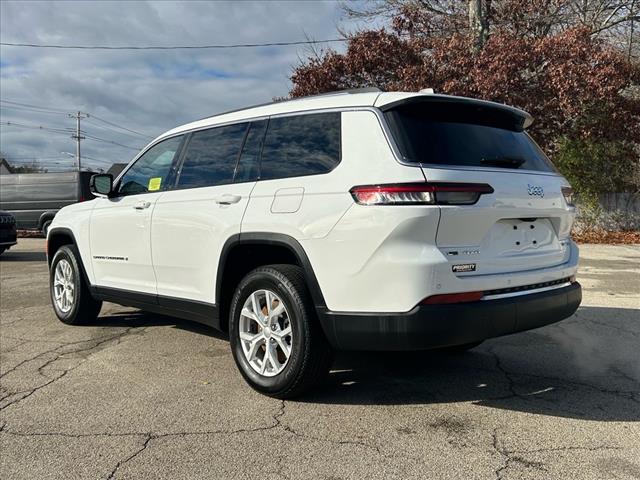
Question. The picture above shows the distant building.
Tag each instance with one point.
(116, 168)
(5, 168)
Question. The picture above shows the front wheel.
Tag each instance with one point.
(70, 295)
(276, 340)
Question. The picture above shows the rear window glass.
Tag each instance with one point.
(301, 145)
(449, 136)
(211, 156)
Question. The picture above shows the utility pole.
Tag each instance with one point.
(77, 137)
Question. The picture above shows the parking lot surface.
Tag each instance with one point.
(139, 395)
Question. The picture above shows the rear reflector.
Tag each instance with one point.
(453, 298)
(420, 193)
(567, 193)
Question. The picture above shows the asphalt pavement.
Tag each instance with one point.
(141, 396)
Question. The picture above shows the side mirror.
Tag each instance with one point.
(101, 185)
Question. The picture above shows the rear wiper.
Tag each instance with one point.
(512, 162)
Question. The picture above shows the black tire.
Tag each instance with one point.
(2, 249)
(84, 308)
(460, 349)
(311, 356)
(45, 227)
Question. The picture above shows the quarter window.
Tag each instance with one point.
(301, 145)
(211, 156)
(152, 170)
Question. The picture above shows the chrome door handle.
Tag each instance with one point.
(141, 205)
(227, 199)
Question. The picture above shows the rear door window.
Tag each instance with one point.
(211, 156)
(301, 145)
(462, 136)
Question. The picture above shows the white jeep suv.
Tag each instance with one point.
(347, 221)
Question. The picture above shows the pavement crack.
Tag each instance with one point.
(511, 457)
(60, 352)
(511, 383)
(565, 383)
(144, 446)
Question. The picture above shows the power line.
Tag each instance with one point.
(111, 141)
(66, 132)
(37, 127)
(27, 109)
(109, 129)
(41, 109)
(57, 110)
(172, 47)
(119, 126)
(12, 159)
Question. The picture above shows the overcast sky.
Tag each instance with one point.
(146, 91)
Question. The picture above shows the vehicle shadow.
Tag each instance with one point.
(18, 256)
(586, 367)
(137, 318)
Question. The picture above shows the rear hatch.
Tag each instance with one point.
(524, 224)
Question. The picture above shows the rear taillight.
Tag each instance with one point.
(567, 193)
(420, 193)
(453, 298)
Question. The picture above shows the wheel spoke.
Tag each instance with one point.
(253, 349)
(276, 312)
(265, 359)
(250, 337)
(249, 314)
(286, 331)
(255, 303)
(286, 349)
(268, 299)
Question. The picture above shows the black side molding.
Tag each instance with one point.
(201, 312)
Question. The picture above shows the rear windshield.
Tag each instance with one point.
(463, 136)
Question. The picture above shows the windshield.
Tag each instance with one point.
(460, 136)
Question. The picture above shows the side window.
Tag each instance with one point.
(151, 170)
(211, 156)
(301, 145)
(248, 168)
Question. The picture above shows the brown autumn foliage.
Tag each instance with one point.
(573, 84)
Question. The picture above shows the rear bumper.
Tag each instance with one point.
(8, 237)
(433, 326)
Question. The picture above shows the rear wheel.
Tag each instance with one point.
(276, 340)
(70, 294)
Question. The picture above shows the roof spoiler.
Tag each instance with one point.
(448, 106)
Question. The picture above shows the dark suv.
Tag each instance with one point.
(8, 236)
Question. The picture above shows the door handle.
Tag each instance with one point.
(227, 199)
(141, 205)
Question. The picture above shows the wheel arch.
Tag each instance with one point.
(46, 216)
(276, 248)
(59, 237)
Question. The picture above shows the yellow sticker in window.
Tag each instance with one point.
(154, 184)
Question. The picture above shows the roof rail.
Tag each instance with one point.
(336, 92)
(349, 91)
